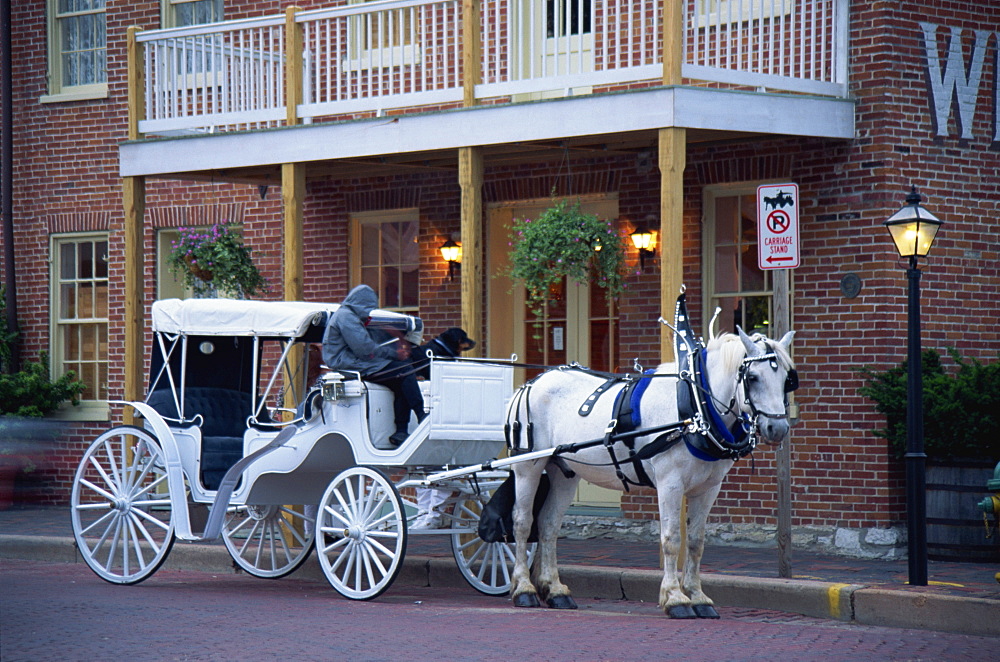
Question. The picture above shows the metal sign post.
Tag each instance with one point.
(778, 249)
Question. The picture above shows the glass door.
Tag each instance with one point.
(578, 324)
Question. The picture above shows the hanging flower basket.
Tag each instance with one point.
(198, 272)
(214, 259)
(563, 242)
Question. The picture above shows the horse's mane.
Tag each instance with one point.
(732, 351)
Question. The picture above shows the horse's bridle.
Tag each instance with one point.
(791, 384)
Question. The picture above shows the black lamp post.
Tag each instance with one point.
(913, 229)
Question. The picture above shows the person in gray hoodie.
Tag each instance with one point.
(348, 345)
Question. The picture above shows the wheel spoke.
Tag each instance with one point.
(338, 514)
(134, 517)
(115, 476)
(271, 547)
(133, 535)
(146, 489)
(372, 558)
(250, 536)
(103, 518)
(287, 526)
(100, 492)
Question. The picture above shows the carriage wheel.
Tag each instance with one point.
(121, 512)
(485, 565)
(269, 541)
(361, 533)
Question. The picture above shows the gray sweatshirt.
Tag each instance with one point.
(347, 345)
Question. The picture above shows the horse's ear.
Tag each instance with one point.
(752, 349)
(786, 340)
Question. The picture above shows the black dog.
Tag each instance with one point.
(449, 344)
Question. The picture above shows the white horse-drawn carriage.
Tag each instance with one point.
(238, 438)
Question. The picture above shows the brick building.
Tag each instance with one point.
(409, 123)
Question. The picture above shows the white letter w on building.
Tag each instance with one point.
(954, 82)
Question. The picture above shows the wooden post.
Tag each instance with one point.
(470, 179)
(136, 83)
(673, 41)
(672, 158)
(472, 46)
(134, 203)
(782, 325)
(293, 66)
(293, 192)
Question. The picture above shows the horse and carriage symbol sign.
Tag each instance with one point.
(778, 226)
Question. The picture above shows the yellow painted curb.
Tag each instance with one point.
(833, 598)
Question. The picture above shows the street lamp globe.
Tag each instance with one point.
(913, 228)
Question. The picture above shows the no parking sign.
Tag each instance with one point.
(778, 226)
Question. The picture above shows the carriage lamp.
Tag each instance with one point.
(913, 229)
(452, 254)
(644, 240)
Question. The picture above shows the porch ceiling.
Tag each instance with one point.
(511, 134)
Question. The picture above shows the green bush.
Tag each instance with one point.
(31, 393)
(961, 409)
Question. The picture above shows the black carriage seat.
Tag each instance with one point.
(225, 413)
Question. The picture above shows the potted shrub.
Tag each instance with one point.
(215, 259)
(26, 397)
(960, 407)
(564, 242)
(961, 441)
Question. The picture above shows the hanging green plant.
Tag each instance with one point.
(215, 259)
(565, 242)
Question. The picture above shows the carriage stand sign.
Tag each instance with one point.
(778, 226)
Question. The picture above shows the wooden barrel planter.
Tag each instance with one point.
(955, 528)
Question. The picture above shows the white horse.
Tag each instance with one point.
(742, 378)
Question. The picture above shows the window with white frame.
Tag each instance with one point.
(168, 284)
(733, 279)
(80, 310)
(387, 257)
(383, 37)
(182, 13)
(567, 17)
(77, 48)
(723, 12)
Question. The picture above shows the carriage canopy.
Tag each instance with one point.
(282, 319)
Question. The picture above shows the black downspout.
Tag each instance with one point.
(7, 181)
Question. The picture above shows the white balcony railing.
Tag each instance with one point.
(369, 58)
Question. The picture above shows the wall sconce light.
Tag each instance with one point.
(262, 191)
(452, 254)
(645, 241)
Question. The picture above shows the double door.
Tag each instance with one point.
(578, 323)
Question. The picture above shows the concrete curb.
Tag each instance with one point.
(843, 602)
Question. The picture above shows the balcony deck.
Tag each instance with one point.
(364, 81)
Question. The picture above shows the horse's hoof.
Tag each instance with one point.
(705, 611)
(527, 600)
(681, 611)
(561, 602)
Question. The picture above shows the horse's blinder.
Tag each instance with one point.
(792, 381)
